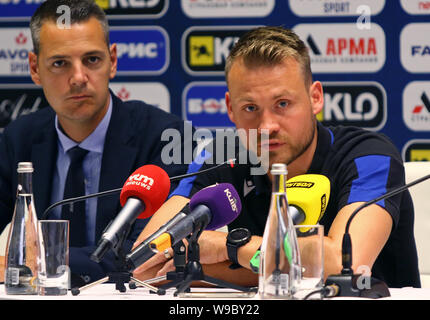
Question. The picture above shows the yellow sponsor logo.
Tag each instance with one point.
(420, 155)
(323, 205)
(201, 50)
(299, 184)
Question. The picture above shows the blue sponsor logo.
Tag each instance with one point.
(420, 50)
(143, 50)
(203, 103)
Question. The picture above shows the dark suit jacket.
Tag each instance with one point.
(133, 139)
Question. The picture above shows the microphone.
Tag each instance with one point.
(211, 208)
(308, 196)
(143, 251)
(347, 282)
(143, 193)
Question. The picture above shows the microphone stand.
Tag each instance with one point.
(179, 259)
(120, 277)
(192, 270)
(346, 281)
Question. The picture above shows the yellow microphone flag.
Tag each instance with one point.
(310, 193)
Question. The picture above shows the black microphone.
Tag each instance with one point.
(143, 251)
(231, 162)
(347, 282)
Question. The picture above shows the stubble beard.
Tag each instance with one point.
(292, 151)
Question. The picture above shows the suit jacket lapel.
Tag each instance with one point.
(117, 163)
(44, 167)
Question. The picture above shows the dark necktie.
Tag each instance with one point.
(75, 187)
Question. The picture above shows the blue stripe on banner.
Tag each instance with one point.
(185, 186)
(372, 179)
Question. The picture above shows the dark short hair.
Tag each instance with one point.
(269, 46)
(80, 11)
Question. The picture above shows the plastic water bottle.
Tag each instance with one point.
(22, 246)
(280, 267)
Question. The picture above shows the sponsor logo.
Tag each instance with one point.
(141, 50)
(416, 150)
(16, 44)
(248, 186)
(416, 106)
(17, 100)
(225, 9)
(323, 205)
(312, 8)
(205, 49)
(343, 47)
(140, 180)
(416, 6)
(153, 93)
(300, 184)
(362, 104)
(231, 200)
(127, 9)
(415, 47)
(203, 103)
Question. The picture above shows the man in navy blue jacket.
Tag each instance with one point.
(279, 96)
(74, 64)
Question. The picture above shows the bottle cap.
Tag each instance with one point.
(25, 167)
(279, 168)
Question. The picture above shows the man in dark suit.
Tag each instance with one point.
(73, 64)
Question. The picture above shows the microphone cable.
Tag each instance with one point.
(329, 291)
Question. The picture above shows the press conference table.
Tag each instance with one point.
(107, 291)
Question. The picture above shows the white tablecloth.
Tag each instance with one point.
(107, 291)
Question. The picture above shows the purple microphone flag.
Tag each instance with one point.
(223, 201)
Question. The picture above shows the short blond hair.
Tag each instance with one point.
(269, 46)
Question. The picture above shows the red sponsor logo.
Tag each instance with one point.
(351, 46)
(424, 5)
(21, 39)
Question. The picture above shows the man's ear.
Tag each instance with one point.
(34, 68)
(316, 95)
(113, 60)
(229, 106)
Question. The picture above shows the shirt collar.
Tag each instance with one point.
(325, 141)
(94, 142)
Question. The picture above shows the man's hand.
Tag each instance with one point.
(213, 247)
